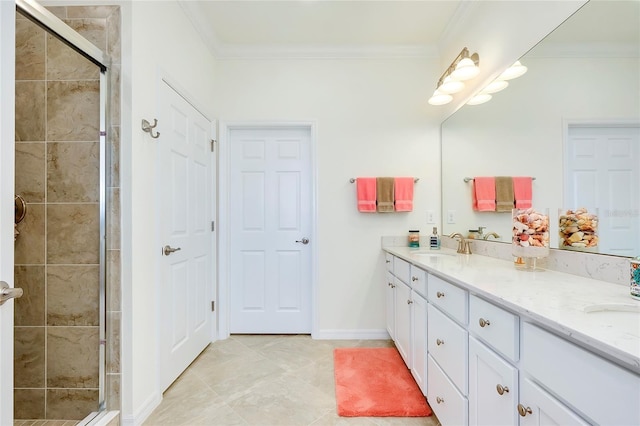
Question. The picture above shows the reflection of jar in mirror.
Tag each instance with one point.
(578, 229)
(414, 238)
(635, 277)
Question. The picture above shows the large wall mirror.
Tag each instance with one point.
(572, 122)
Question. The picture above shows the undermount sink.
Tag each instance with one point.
(613, 307)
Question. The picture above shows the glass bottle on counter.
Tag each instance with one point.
(434, 239)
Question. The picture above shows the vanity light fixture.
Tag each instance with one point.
(495, 86)
(464, 67)
(514, 71)
(480, 98)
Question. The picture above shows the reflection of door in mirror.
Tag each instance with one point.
(601, 165)
(585, 71)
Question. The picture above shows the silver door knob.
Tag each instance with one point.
(303, 241)
(7, 292)
(167, 250)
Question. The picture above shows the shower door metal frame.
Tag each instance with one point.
(52, 24)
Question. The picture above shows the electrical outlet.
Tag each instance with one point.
(451, 216)
(431, 217)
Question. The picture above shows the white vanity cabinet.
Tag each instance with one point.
(419, 340)
(493, 380)
(403, 320)
(598, 390)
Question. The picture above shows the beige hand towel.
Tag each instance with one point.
(385, 195)
(504, 193)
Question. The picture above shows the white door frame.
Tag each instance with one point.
(224, 253)
(7, 177)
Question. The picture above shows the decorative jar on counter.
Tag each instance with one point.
(414, 238)
(530, 235)
(578, 229)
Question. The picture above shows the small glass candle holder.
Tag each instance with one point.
(578, 229)
(530, 236)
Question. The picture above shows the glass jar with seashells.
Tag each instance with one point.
(530, 234)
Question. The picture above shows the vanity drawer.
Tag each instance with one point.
(402, 270)
(388, 262)
(611, 393)
(450, 406)
(448, 345)
(419, 280)
(448, 297)
(495, 326)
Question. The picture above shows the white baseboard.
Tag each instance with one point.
(143, 412)
(341, 334)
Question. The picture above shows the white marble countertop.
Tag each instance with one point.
(575, 307)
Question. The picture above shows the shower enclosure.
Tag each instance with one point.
(67, 322)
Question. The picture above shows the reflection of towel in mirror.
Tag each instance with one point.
(504, 193)
(522, 189)
(404, 194)
(485, 193)
(385, 197)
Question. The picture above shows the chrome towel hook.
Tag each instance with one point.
(148, 127)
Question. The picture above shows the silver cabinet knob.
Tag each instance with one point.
(167, 250)
(303, 241)
(483, 322)
(440, 294)
(502, 389)
(414, 278)
(439, 400)
(7, 292)
(439, 342)
(523, 411)
(409, 301)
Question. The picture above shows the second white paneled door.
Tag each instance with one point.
(270, 223)
(186, 235)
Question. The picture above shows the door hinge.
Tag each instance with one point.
(213, 145)
(213, 306)
(213, 225)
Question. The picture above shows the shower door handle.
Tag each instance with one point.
(7, 292)
(167, 250)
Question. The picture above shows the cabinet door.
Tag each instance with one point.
(493, 387)
(390, 304)
(419, 281)
(419, 341)
(403, 320)
(540, 408)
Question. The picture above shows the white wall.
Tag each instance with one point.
(157, 40)
(520, 131)
(372, 120)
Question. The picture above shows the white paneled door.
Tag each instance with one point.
(186, 253)
(603, 170)
(270, 225)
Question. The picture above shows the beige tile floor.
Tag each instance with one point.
(265, 380)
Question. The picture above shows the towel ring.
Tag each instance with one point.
(20, 209)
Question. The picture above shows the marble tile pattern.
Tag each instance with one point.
(554, 300)
(265, 380)
(57, 251)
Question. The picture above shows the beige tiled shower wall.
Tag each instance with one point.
(57, 252)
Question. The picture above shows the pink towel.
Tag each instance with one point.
(522, 191)
(366, 194)
(403, 194)
(485, 193)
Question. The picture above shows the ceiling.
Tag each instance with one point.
(357, 28)
(322, 26)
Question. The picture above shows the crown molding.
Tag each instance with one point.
(221, 50)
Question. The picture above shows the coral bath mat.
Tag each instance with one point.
(374, 382)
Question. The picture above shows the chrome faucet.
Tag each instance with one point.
(463, 245)
(486, 236)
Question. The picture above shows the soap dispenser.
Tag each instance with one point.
(434, 239)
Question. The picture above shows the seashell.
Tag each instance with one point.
(575, 237)
(524, 243)
(581, 245)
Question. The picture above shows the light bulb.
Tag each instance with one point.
(465, 70)
(514, 71)
(495, 86)
(440, 98)
(449, 85)
(479, 99)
